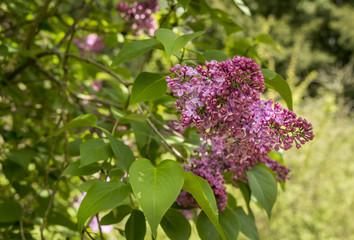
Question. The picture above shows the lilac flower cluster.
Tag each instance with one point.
(91, 43)
(138, 15)
(239, 130)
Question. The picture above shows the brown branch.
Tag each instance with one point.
(51, 200)
(170, 148)
(160, 123)
(102, 67)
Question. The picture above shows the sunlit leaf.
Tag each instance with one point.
(134, 49)
(101, 196)
(203, 194)
(155, 187)
(81, 121)
(172, 42)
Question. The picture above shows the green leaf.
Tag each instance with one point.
(94, 150)
(203, 194)
(228, 221)
(231, 201)
(74, 169)
(87, 185)
(264, 38)
(122, 152)
(226, 21)
(247, 225)
(118, 114)
(246, 191)
(100, 197)
(134, 49)
(148, 87)
(275, 81)
(81, 121)
(172, 42)
(11, 211)
(135, 227)
(155, 188)
(242, 6)
(263, 187)
(116, 215)
(175, 225)
(215, 55)
(19, 158)
(3, 51)
(58, 218)
(184, 3)
(205, 227)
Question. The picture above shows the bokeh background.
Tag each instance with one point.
(308, 42)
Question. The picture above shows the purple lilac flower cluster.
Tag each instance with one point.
(223, 102)
(138, 15)
(91, 43)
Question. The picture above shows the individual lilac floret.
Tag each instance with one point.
(138, 15)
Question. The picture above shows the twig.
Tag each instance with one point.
(21, 227)
(33, 29)
(160, 123)
(99, 227)
(103, 68)
(65, 165)
(170, 148)
(88, 234)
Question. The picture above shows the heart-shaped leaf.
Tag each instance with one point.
(101, 196)
(156, 187)
(172, 42)
(203, 194)
(134, 49)
(263, 187)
